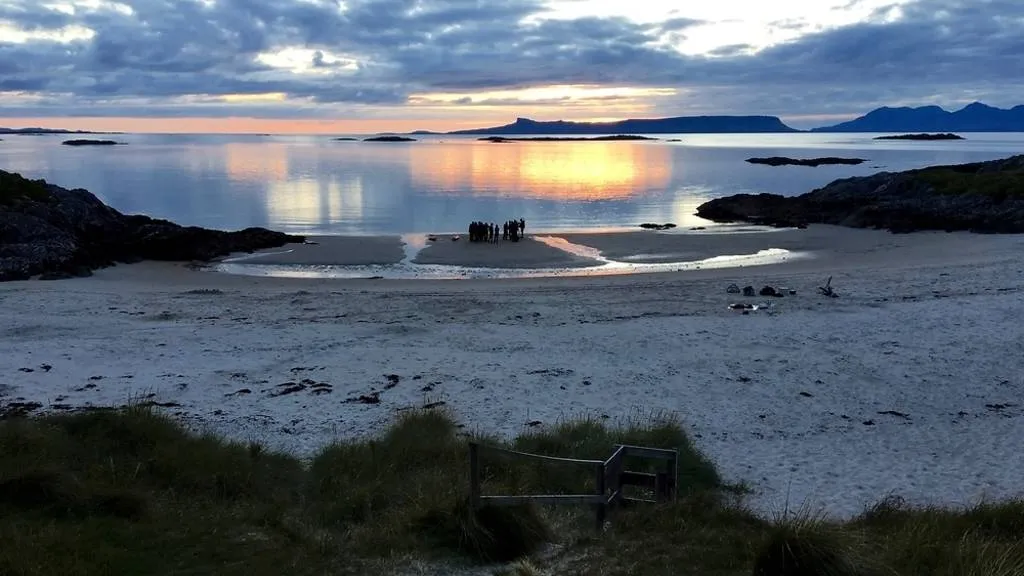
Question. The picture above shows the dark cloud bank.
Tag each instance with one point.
(938, 51)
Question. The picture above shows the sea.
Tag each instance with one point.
(438, 184)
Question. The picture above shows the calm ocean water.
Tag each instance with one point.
(311, 184)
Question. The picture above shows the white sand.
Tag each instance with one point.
(928, 325)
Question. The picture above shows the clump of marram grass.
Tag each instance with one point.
(982, 539)
(806, 545)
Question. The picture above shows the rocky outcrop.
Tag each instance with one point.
(51, 231)
(90, 143)
(389, 139)
(979, 197)
(942, 136)
(813, 162)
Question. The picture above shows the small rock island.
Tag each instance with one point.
(389, 139)
(345, 139)
(91, 143)
(812, 162)
(945, 136)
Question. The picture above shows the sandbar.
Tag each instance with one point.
(525, 254)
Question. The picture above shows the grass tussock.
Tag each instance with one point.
(132, 492)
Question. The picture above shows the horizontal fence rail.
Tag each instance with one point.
(609, 478)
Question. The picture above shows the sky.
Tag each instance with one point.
(347, 66)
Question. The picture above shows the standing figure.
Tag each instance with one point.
(522, 226)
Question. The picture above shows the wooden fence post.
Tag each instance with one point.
(602, 505)
(474, 475)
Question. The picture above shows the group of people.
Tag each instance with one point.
(490, 233)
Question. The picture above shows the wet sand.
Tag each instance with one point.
(827, 245)
(332, 250)
(525, 254)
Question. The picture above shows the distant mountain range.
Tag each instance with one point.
(677, 125)
(976, 117)
(47, 131)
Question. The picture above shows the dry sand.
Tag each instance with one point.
(909, 383)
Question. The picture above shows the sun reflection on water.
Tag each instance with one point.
(572, 171)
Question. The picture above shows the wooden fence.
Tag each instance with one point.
(610, 478)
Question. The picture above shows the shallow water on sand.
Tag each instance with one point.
(438, 184)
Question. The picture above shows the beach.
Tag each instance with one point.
(908, 383)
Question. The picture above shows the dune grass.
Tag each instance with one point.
(132, 492)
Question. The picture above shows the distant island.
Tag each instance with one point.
(48, 131)
(346, 139)
(813, 162)
(676, 125)
(90, 143)
(944, 136)
(389, 139)
(976, 117)
(616, 137)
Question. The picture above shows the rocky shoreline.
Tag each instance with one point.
(54, 233)
(983, 197)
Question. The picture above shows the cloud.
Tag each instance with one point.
(379, 52)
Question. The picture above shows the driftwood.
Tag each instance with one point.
(827, 290)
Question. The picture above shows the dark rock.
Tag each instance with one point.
(59, 233)
(241, 392)
(895, 413)
(807, 394)
(653, 226)
(869, 422)
(769, 291)
(944, 136)
(749, 291)
(534, 423)
(812, 162)
(86, 142)
(980, 197)
(733, 289)
(389, 139)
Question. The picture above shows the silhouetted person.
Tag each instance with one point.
(522, 226)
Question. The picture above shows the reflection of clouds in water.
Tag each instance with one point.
(570, 171)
